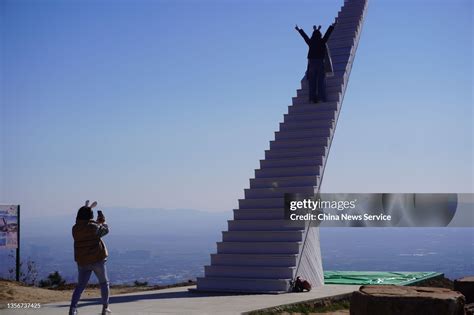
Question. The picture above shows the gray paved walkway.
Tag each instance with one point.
(181, 301)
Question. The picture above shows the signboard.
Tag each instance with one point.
(9, 226)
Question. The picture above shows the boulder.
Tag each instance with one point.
(407, 300)
(466, 287)
(469, 309)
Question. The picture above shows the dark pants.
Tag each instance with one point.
(316, 80)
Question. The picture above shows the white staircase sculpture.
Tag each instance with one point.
(262, 252)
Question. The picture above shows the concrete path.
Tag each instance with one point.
(181, 301)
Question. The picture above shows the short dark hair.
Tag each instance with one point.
(84, 213)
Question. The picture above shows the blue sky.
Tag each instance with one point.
(170, 104)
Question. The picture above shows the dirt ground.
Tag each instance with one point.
(340, 312)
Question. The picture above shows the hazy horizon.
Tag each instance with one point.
(170, 246)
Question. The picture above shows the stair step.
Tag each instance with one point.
(346, 22)
(265, 225)
(345, 31)
(342, 51)
(348, 35)
(337, 45)
(332, 89)
(332, 81)
(288, 171)
(346, 18)
(340, 59)
(295, 152)
(295, 161)
(340, 74)
(287, 260)
(259, 193)
(342, 26)
(302, 133)
(258, 247)
(339, 66)
(353, 5)
(341, 42)
(330, 97)
(343, 35)
(259, 214)
(299, 143)
(250, 285)
(261, 272)
(350, 11)
(312, 107)
(353, 8)
(335, 89)
(288, 181)
(354, 13)
(262, 236)
(323, 115)
(301, 125)
(261, 203)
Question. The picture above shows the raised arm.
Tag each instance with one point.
(303, 34)
(102, 229)
(328, 32)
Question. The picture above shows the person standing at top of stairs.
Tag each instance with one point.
(319, 62)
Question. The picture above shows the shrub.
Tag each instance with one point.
(53, 280)
(140, 284)
(27, 276)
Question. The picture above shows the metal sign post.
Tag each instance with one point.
(18, 265)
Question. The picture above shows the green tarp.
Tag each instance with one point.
(376, 277)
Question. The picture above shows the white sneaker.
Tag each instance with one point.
(106, 310)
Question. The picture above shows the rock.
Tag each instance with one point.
(466, 287)
(469, 308)
(391, 300)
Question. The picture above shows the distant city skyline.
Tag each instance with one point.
(170, 104)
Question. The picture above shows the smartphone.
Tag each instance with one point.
(100, 214)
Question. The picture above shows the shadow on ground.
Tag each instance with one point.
(147, 295)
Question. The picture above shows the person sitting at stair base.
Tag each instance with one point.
(319, 62)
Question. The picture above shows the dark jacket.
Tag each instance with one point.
(88, 245)
(317, 45)
(318, 48)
